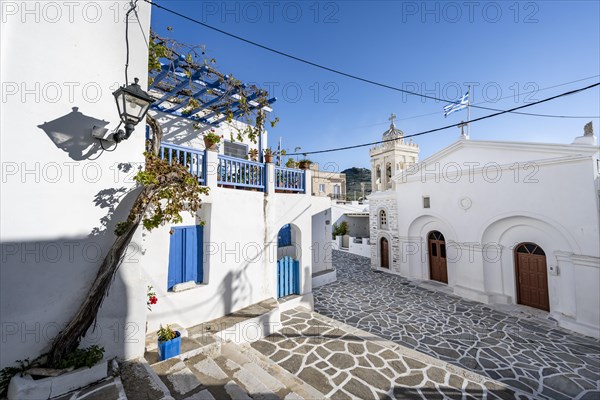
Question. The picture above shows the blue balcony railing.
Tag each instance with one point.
(234, 172)
(192, 158)
(288, 179)
(240, 173)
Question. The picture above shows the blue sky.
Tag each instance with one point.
(505, 48)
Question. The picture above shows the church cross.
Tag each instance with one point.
(392, 118)
(462, 128)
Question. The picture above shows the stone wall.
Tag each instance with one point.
(389, 204)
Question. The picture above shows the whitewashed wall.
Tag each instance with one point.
(181, 131)
(240, 254)
(509, 194)
(355, 224)
(321, 239)
(60, 64)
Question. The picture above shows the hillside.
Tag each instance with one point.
(354, 177)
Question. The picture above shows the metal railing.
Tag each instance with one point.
(192, 158)
(289, 179)
(240, 173)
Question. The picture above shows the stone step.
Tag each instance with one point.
(238, 373)
(226, 379)
(271, 375)
(243, 326)
(141, 381)
(216, 361)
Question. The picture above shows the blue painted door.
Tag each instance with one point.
(284, 238)
(288, 277)
(185, 255)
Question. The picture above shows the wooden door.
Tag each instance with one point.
(288, 277)
(532, 276)
(438, 270)
(384, 253)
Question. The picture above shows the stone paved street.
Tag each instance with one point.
(344, 362)
(531, 355)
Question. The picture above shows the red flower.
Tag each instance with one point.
(153, 300)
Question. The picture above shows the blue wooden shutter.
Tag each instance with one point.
(185, 256)
(176, 256)
(193, 254)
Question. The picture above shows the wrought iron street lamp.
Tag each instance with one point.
(133, 104)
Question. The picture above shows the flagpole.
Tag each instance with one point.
(279, 153)
(469, 112)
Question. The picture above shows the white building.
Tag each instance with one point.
(62, 194)
(390, 157)
(356, 216)
(498, 222)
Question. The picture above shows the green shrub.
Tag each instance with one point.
(341, 229)
(82, 358)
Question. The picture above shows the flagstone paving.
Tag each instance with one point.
(529, 354)
(344, 362)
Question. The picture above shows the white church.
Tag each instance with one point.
(496, 221)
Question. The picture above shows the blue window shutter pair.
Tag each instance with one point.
(285, 236)
(185, 255)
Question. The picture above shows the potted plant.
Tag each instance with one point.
(268, 155)
(211, 139)
(304, 163)
(253, 155)
(169, 343)
(291, 163)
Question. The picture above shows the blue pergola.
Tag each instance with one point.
(178, 81)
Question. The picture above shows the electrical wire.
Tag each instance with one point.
(105, 149)
(133, 4)
(447, 126)
(335, 71)
(483, 102)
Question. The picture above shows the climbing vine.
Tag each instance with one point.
(231, 102)
(166, 189)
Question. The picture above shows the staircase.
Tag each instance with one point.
(214, 366)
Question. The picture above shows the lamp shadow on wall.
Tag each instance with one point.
(72, 133)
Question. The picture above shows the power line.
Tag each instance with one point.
(335, 71)
(447, 126)
(483, 102)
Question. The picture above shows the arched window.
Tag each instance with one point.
(382, 219)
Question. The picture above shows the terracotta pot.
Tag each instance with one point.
(269, 158)
(304, 165)
(210, 145)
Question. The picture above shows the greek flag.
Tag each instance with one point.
(459, 105)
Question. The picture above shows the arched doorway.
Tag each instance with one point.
(438, 270)
(384, 253)
(288, 261)
(532, 276)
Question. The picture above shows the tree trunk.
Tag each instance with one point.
(157, 134)
(68, 339)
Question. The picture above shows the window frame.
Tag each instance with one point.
(426, 202)
(383, 220)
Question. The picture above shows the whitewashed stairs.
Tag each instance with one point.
(211, 367)
(236, 372)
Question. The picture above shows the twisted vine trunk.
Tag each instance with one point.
(69, 338)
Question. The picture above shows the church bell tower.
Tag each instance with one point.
(391, 157)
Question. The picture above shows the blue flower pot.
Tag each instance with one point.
(170, 348)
